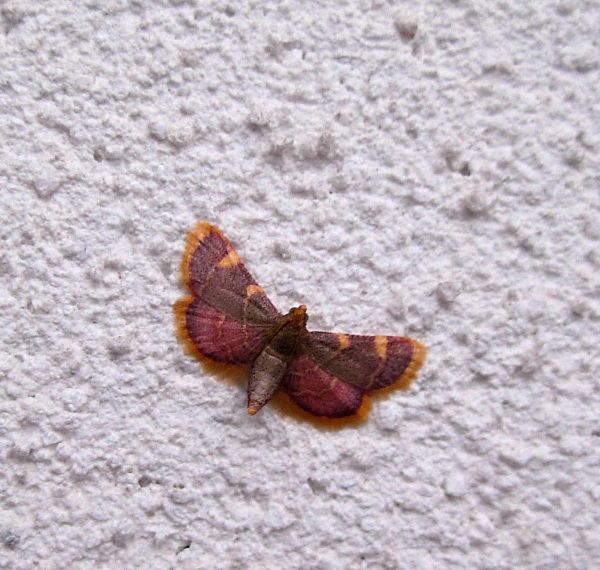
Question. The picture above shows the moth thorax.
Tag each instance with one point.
(284, 343)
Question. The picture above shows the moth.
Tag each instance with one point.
(228, 318)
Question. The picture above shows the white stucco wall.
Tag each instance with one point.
(428, 169)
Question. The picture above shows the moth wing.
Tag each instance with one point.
(217, 335)
(228, 317)
(213, 272)
(367, 362)
(318, 391)
(334, 372)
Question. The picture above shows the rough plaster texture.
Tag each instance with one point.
(428, 169)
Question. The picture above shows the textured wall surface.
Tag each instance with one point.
(425, 169)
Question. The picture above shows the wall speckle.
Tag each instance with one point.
(429, 171)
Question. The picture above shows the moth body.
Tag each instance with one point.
(272, 363)
(267, 371)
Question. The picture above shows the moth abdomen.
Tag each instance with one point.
(266, 375)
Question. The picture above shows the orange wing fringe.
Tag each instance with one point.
(282, 401)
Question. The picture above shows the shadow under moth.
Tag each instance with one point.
(228, 318)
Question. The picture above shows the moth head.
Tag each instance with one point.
(298, 316)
